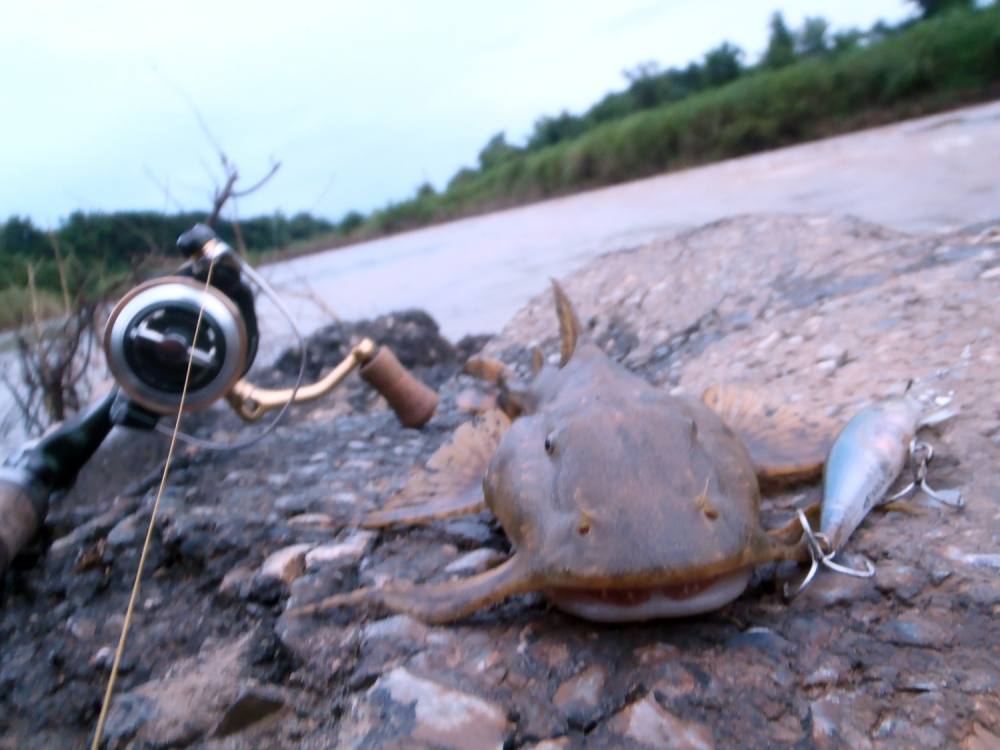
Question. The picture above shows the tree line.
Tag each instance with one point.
(94, 245)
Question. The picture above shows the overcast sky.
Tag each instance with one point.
(360, 101)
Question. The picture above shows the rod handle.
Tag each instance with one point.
(23, 504)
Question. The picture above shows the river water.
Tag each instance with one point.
(927, 175)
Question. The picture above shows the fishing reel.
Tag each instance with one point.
(159, 326)
(180, 343)
(165, 327)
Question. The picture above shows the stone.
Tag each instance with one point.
(834, 724)
(103, 659)
(650, 725)
(277, 481)
(444, 716)
(832, 589)
(128, 714)
(346, 552)
(286, 564)
(93, 528)
(183, 706)
(760, 638)
(397, 627)
(976, 559)
(920, 627)
(467, 530)
(345, 498)
(251, 706)
(905, 581)
(128, 532)
(293, 504)
(233, 582)
(82, 628)
(475, 562)
(770, 340)
(312, 520)
(827, 674)
(675, 682)
(981, 738)
(556, 743)
(832, 352)
(579, 695)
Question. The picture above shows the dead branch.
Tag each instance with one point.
(53, 355)
(228, 189)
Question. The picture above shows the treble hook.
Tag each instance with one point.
(815, 542)
(921, 453)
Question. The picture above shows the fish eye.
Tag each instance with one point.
(550, 444)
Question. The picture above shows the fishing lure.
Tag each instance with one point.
(864, 462)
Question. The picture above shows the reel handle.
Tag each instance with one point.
(413, 402)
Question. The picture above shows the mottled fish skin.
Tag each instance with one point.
(864, 461)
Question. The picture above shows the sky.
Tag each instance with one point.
(120, 104)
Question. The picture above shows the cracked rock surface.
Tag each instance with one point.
(826, 313)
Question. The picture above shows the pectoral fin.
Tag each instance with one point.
(437, 602)
(451, 484)
(785, 444)
(791, 532)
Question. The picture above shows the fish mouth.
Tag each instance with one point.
(653, 602)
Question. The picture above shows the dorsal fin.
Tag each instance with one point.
(569, 323)
(537, 360)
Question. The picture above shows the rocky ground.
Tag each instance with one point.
(827, 313)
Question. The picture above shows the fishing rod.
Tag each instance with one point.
(203, 313)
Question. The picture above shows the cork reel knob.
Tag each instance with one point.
(413, 402)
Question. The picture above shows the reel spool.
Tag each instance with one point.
(149, 339)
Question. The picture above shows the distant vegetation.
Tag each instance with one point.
(95, 249)
(810, 82)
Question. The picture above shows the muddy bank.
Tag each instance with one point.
(827, 313)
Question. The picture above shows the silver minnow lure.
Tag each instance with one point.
(865, 460)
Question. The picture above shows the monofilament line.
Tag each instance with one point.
(106, 704)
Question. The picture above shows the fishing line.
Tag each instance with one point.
(115, 666)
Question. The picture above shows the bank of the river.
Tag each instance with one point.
(824, 312)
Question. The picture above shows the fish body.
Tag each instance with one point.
(866, 458)
(621, 502)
